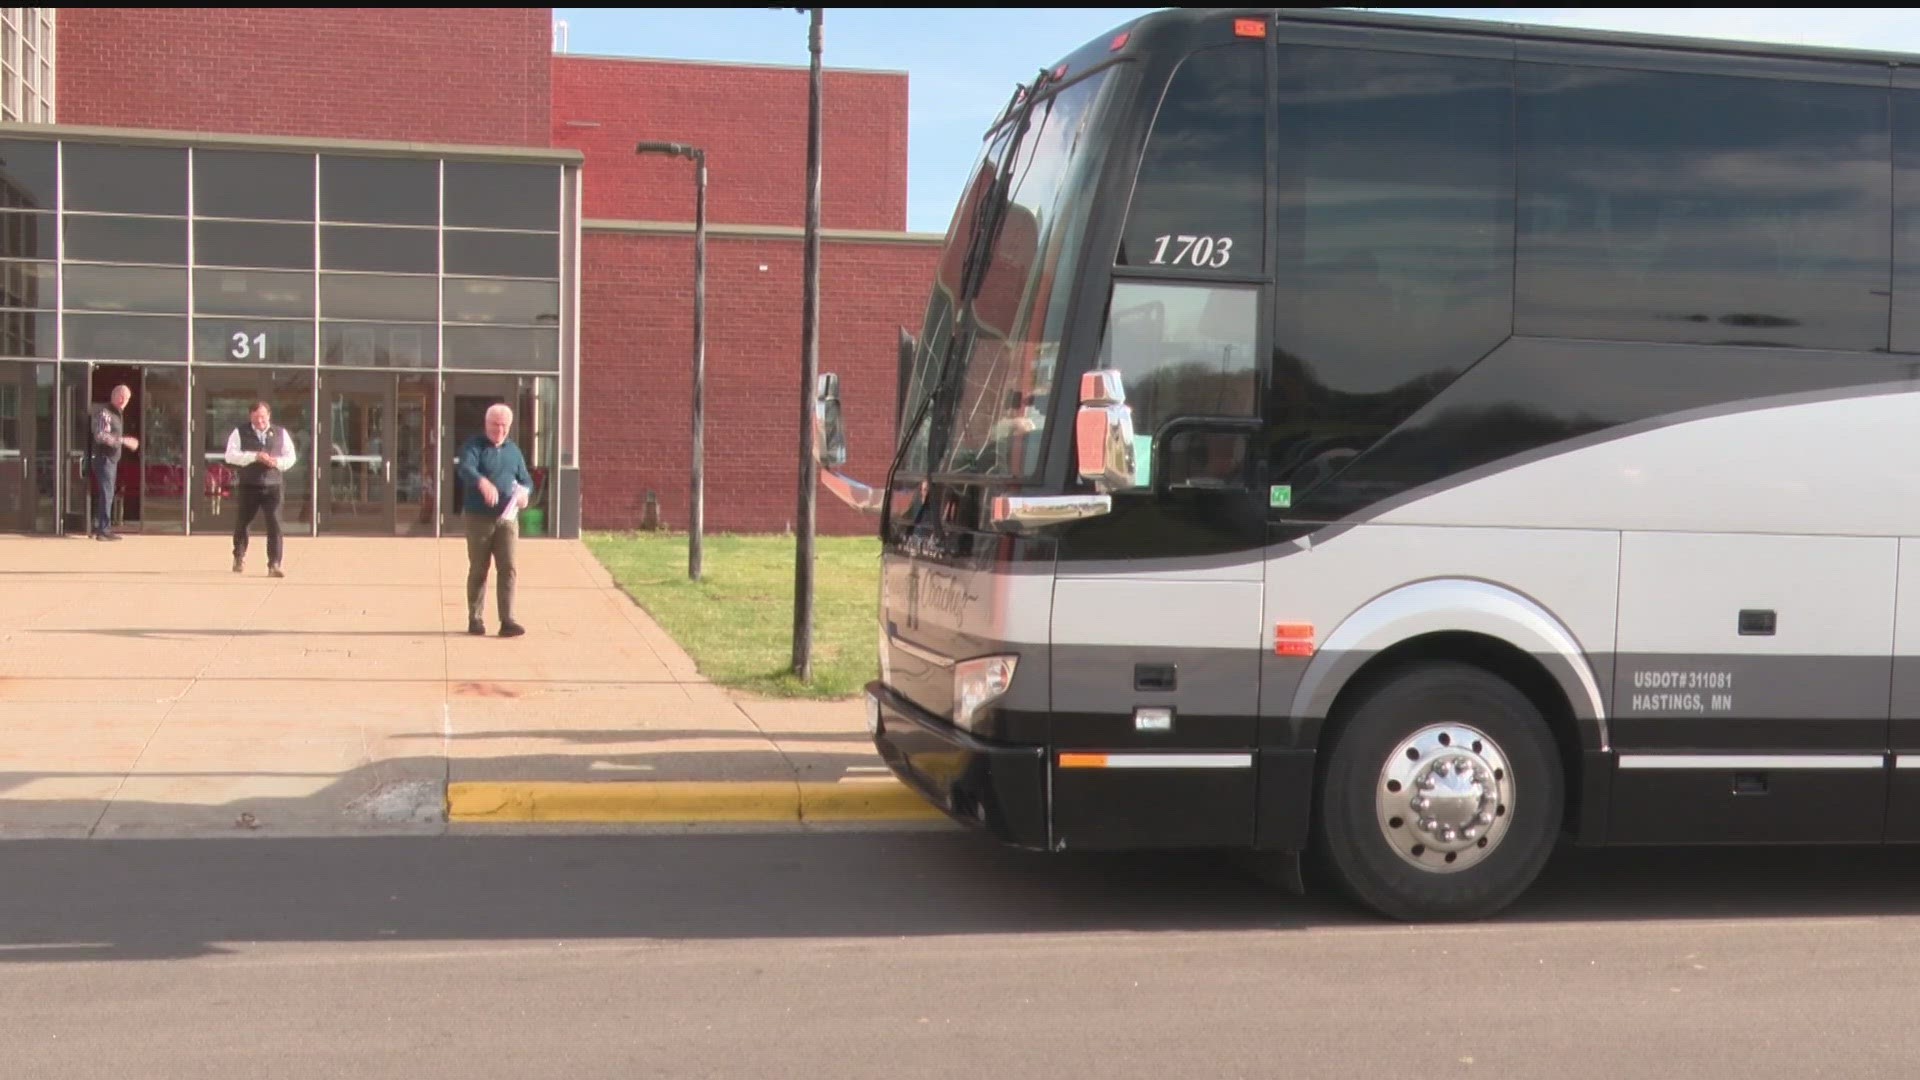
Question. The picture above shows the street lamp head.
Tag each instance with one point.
(673, 148)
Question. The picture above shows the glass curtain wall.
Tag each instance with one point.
(368, 297)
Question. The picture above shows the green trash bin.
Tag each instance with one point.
(533, 522)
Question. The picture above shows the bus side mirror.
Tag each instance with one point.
(1103, 432)
(830, 448)
(829, 434)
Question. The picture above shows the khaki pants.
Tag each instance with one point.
(490, 539)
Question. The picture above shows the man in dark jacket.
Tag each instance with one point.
(494, 488)
(262, 452)
(108, 426)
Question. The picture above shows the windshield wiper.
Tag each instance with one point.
(982, 231)
(984, 235)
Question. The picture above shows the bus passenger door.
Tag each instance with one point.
(1157, 605)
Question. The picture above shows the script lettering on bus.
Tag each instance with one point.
(937, 591)
(1682, 691)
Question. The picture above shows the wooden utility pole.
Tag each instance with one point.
(809, 369)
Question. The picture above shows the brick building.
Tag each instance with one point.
(384, 220)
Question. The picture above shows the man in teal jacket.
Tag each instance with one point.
(494, 488)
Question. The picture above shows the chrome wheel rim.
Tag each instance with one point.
(1445, 798)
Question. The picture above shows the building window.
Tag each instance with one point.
(27, 174)
(263, 244)
(26, 65)
(482, 195)
(108, 179)
(253, 186)
(379, 191)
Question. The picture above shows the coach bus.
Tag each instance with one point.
(1411, 442)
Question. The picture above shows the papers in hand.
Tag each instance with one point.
(513, 499)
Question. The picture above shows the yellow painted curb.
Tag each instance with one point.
(866, 800)
(666, 802)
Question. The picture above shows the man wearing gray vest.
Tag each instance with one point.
(262, 453)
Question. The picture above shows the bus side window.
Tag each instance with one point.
(1201, 458)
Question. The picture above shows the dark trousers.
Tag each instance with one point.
(264, 499)
(102, 475)
(490, 540)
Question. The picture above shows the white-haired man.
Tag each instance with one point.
(109, 427)
(494, 487)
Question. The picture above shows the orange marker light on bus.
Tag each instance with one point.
(1250, 28)
(1293, 639)
(1120, 42)
(1083, 761)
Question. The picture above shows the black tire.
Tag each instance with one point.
(1350, 838)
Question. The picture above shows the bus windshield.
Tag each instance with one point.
(989, 358)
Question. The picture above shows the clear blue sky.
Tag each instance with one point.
(963, 63)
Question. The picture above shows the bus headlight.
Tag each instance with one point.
(979, 683)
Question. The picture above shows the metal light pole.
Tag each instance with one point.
(809, 367)
(697, 498)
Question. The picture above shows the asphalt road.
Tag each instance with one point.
(926, 955)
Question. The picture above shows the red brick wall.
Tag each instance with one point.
(636, 372)
(752, 122)
(445, 75)
(487, 76)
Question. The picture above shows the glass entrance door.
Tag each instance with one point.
(379, 453)
(149, 494)
(76, 382)
(415, 451)
(26, 447)
(163, 466)
(356, 477)
(533, 399)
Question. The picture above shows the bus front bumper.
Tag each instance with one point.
(993, 786)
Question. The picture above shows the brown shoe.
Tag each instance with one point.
(275, 571)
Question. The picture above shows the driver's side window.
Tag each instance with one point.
(1185, 352)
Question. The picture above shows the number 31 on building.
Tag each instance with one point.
(249, 348)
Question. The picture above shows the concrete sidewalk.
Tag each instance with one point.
(146, 690)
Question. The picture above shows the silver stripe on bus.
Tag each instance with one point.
(1752, 761)
(919, 653)
(1906, 761)
(1167, 761)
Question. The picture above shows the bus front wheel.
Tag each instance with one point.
(1442, 794)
